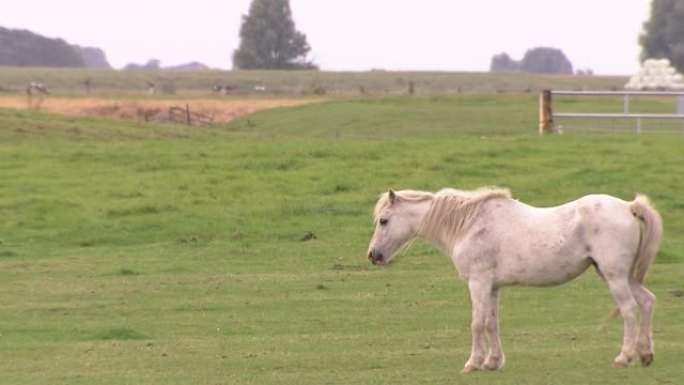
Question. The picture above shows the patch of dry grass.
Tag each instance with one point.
(222, 110)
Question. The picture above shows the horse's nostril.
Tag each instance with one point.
(375, 257)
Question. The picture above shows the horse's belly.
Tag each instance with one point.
(541, 271)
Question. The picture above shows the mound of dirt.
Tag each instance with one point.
(149, 109)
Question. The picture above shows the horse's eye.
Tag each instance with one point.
(383, 221)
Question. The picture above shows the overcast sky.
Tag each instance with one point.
(357, 35)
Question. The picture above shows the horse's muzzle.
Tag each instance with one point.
(376, 258)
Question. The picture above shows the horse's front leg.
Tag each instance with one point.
(496, 359)
(479, 295)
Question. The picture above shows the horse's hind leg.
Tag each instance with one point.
(646, 301)
(620, 289)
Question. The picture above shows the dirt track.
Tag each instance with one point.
(146, 109)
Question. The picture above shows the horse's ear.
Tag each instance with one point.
(392, 196)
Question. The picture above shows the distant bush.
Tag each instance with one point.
(544, 60)
(503, 63)
(151, 65)
(540, 60)
(93, 57)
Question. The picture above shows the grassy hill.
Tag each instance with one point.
(143, 253)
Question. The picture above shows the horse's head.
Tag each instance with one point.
(397, 218)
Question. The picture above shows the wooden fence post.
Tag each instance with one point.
(187, 111)
(545, 112)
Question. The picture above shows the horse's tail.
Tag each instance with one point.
(651, 233)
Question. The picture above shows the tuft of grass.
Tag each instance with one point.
(7, 253)
(137, 210)
(126, 271)
(119, 334)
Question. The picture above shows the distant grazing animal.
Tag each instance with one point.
(37, 88)
(496, 241)
(151, 88)
(223, 89)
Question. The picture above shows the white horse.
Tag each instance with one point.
(496, 241)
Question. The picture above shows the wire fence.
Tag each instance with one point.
(618, 125)
(612, 111)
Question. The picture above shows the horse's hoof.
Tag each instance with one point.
(647, 359)
(619, 365)
(469, 369)
(493, 364)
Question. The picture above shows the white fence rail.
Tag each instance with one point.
(548, 117)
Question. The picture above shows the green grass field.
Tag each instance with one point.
(134, 253)
(108, 82)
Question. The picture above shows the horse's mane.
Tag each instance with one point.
(452, 212)
(401, 196)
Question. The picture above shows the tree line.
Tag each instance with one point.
(269, 39)
(21, 48)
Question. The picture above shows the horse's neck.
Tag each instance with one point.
(437, 239)
(440, 241)
(443, 225)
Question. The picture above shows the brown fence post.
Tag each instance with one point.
(187, 111)
(545, 112)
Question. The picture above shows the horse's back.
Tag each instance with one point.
(549, 245)
(595, 219)
(602, 210)
(607, 213)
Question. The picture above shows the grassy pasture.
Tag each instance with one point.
(109, 82)
(140, 253)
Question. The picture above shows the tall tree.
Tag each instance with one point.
(663, 36)
(269, 39)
